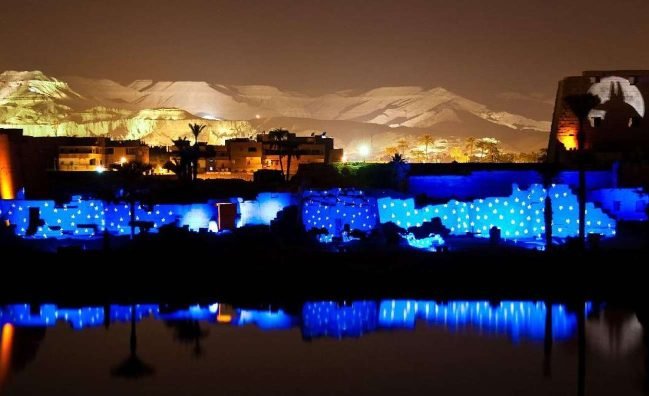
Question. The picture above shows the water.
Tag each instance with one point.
(388, 347)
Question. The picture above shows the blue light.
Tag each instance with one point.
(335, 208)
(328, 319)
(430, 242)
(266, 320)
(512, 223)
(195, 219)
(264, 209)
(514, 318)
(517, 319)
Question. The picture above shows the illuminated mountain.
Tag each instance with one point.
(157, 111)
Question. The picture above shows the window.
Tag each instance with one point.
(93, 161)
(131, 150)
(109, 150)
(252, 149)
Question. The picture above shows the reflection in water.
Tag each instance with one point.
(6, 344)
(189, 332)
(18, 347)
(608, 332)
(517, 319)
(547, 344)
(132, 367)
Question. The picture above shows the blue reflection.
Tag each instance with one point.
(517, 319)
(266, 320)
(328, 319)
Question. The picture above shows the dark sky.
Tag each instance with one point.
(475, 47)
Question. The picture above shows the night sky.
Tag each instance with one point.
(475, 47)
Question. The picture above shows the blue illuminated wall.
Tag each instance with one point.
(519, 215)
(264, 209)
(332, 209)
(75, 219)
(329, 319)
(89, 218)
(623, 203)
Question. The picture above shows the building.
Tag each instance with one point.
(97, 154)
(616, 129)
(245, 155)
(303, 150)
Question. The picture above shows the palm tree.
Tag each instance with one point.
(581, 105)
(196, 130)
(469, 146)
(399, 171)
(389, 152)
(132, 366)
(548, 173)
(403, 145)
(130, 175)
(284, 146)
(547, 341)
(189, 332)
(397, 159)
(426, 140)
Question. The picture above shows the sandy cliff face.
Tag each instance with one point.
(157, 111)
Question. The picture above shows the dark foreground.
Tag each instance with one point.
(183, 272)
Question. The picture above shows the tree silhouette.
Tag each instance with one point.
(196, 130)
(189, 332)
(469, 147)
(389, 152)
(403, 145)
(186, 168)
(397, 159)
(426, 140)
(132, 367)
(130, 176)
(581, 105)
(547, 175)
(282, 144)
(399, 171)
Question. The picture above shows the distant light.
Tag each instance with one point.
(364, 150)
(122, 160)
(257, 116)
(99, 169)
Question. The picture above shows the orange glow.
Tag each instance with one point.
(6, 343)
(6, 182)
(223, 318)
(568, 137)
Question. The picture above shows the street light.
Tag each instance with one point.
(364, 151)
